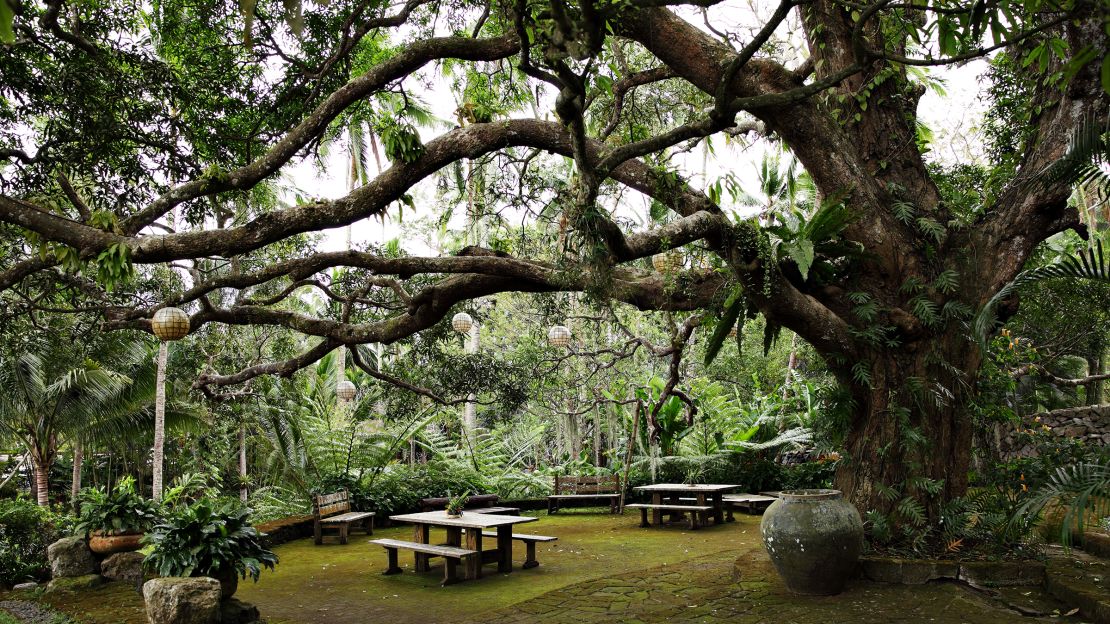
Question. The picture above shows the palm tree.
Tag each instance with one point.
(49, 402)
(43, 406)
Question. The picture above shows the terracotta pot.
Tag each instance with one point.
(814, 538)
(110, 544)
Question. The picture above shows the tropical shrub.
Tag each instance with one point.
(400, 488)
(25, 532)
(120, 511)
(208, 538)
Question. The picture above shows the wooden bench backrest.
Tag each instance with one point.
(478, 500)
(324, 505)
(608, 484)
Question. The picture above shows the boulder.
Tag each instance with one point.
(235, 611)
(74, 583)
(70, 556)
(124, 566)
(21, 586)
(178, 600)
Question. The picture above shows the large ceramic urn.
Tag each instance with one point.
(814, 538)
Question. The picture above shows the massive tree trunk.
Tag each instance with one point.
(911, 434)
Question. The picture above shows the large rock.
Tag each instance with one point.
(74, 583)
(235, 611)
(124, 566)
(177, 600)
(70, 556)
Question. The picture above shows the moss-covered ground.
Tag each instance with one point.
(603, 569)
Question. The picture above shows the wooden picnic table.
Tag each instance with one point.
(671, 494)
(472, 524)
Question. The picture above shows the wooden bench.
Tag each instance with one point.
(699, 514)
(452, 556)
(585, 488)
(530, 542)
(333, 511)
(750, 503)
(473, 503)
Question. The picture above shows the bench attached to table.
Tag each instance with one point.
(530, 542)
(699, 514)
(585, 488)
(452, 556)
(333, 511)
(750, 503)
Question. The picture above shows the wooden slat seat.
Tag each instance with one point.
(350, 516)
(569, 488)
(699, 514)
(333, 511)
(452, 556)
(530, 542)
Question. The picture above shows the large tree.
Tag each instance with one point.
(148, 136)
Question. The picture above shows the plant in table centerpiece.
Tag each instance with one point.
(115, 521)
(209, 538)
(455, 504)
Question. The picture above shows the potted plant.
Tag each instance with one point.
(209, 538)
(115, 521)
(455, 504)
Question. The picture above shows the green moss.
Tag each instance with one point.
(603, 569)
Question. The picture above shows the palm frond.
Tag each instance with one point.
(1089, 264)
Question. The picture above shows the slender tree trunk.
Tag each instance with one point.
(159, 422)
(1096, 365)
(791, 363)
(243, 463)
(78, 460)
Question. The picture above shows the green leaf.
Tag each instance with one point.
(7, 35)
(734, 305)
(1105, 73)
(801, 252)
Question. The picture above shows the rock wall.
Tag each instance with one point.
(1090, 423)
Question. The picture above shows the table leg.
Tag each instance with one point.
(454, 536)
(474, 563)
(718, 508)
(657, 514)
(505, 549)
(421, 533)
(676, 515)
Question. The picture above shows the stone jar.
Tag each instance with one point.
(814, 538)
